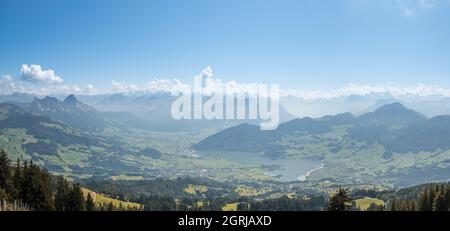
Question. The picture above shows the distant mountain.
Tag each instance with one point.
(391, 114)
(244, 137)
(69, 111)
(377, 104)
(41, 127)
(153, 112)
(392, 144)
(62, 148)
(251, 138)
(17, 97)
(384, 123)
(139, 110)
(295, 106)
(392, 125)
(318, 107)
(429, 135)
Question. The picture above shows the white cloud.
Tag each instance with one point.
(211, 84)
(7, 77)
(90, 90)
(35, 74)
(428, 4)
(207, 72)
(164, 85)
(362, 89)
(123, 87)
(8, 85)
(412, 7)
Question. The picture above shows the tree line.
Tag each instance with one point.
(434, 197)
(34, 187)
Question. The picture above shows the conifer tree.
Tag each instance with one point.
(3, 195)
(17, 180)
(62, 194)
(439, 203)
(341, 201)
(5, 174)
(424, 201)
(393, 205)
(430, 199)
(110, 206)
(447, 197)
(76, 200)
(36, 188)
(90, 205)
(413, 206)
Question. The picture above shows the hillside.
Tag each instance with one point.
(62, 148)
(58, 137)
(392, 145)
(104, 201)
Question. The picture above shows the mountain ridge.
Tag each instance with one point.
(377, 126)
(69, 111)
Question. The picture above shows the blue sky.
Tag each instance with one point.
(298, 44)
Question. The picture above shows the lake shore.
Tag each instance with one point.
(308, 173)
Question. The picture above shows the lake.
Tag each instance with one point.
(283, 169)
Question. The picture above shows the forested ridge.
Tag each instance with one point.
(27, 186)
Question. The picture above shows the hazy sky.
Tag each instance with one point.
(298, 44)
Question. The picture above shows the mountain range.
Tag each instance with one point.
(141, 103)
(391, 144)
(70, 111)
(66, 137)
(389, 125)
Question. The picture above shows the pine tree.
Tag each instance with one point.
(90, 205)
(430, 199)
(3, 195)
(110, 206)
(36, 188)
(76, 200)
(447, 197)
(62, 194)
(17, 180)
(424, 201)
(394, 206)
(33, 186)
(341, 201)
(439, 203)
(5, 174)
(413, 206)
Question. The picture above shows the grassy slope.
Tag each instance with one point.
(364, 204)
(102, 200)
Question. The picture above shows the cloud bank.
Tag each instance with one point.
(412, 7)
(35, 74)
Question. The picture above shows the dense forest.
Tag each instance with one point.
(26, 186)
(428, 197)
(431, 197)
(168, 195)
